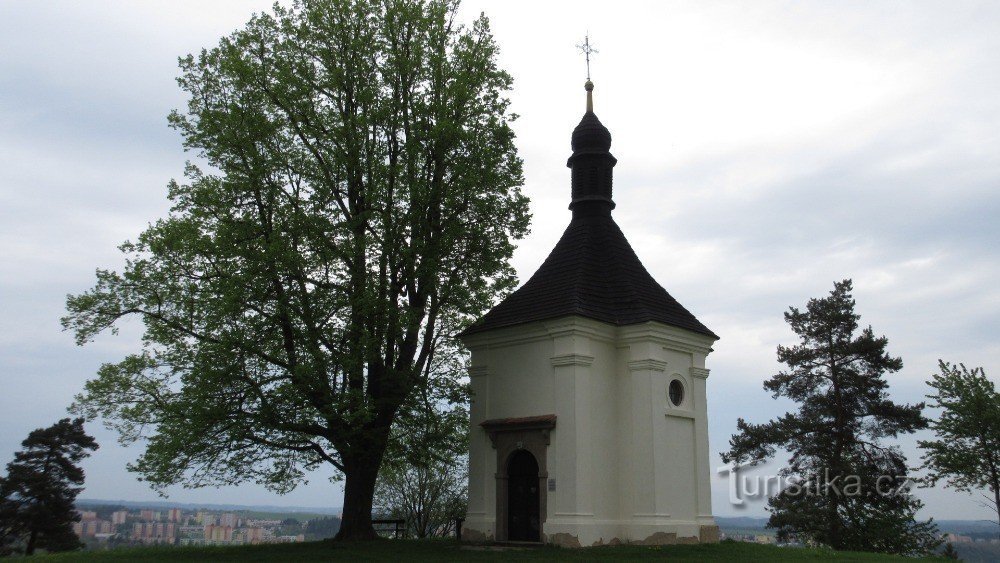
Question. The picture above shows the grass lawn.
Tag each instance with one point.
(440, 550)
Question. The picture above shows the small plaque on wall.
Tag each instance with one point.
(552, 484)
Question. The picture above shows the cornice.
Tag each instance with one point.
(700, 373)
(667, 336)
(572, 360)
(540, 331)
(519, 334)
(647, 364)
(580, 326)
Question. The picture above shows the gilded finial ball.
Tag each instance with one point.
(589, 86)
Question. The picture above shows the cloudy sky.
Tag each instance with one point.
(765, 150)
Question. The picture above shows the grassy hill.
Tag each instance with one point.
(449, 550)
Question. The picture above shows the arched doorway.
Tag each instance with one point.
(523, 522)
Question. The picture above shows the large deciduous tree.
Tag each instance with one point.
(847, 489)
(966, 451)
(358, 207)
(41, 485)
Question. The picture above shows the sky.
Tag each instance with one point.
(765, 150)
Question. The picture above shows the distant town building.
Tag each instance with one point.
(119, 517)
(154, 532)
(91, 527)
(191, 535)
(170, 527)
(218, 534)
(229, 519)
(205, 518)
(255, 523)
(253, 535)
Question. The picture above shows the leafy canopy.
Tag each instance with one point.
(966, 451)
(356, 207)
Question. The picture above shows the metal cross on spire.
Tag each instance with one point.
(586, 48)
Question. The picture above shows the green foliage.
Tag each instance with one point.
(321, 528)
(362, 194)
(966, 453)
(425, 480)
(37, 494)
(848, 491)
(428, 496)
(949, 551)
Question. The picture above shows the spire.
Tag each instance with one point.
(587, 49)
(591, 163)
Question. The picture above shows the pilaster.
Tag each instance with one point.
(645, 365)
(699, 375)
(571, 466)
(481, 462)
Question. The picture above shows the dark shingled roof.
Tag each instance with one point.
(593, 271)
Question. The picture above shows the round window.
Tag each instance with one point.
(676, 392)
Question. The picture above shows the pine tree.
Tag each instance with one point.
(37, 495)
(848, 490)
(949, 551)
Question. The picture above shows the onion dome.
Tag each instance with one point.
(590, 135)
(591, 162)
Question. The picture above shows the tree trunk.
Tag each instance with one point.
(996, 504)
(994, 483)
(32, 540)
(359, 490)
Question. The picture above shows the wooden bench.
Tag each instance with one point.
(398, 527)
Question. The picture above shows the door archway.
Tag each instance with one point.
(523, 517)
(513, 439)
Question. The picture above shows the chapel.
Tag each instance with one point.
(588, 419)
